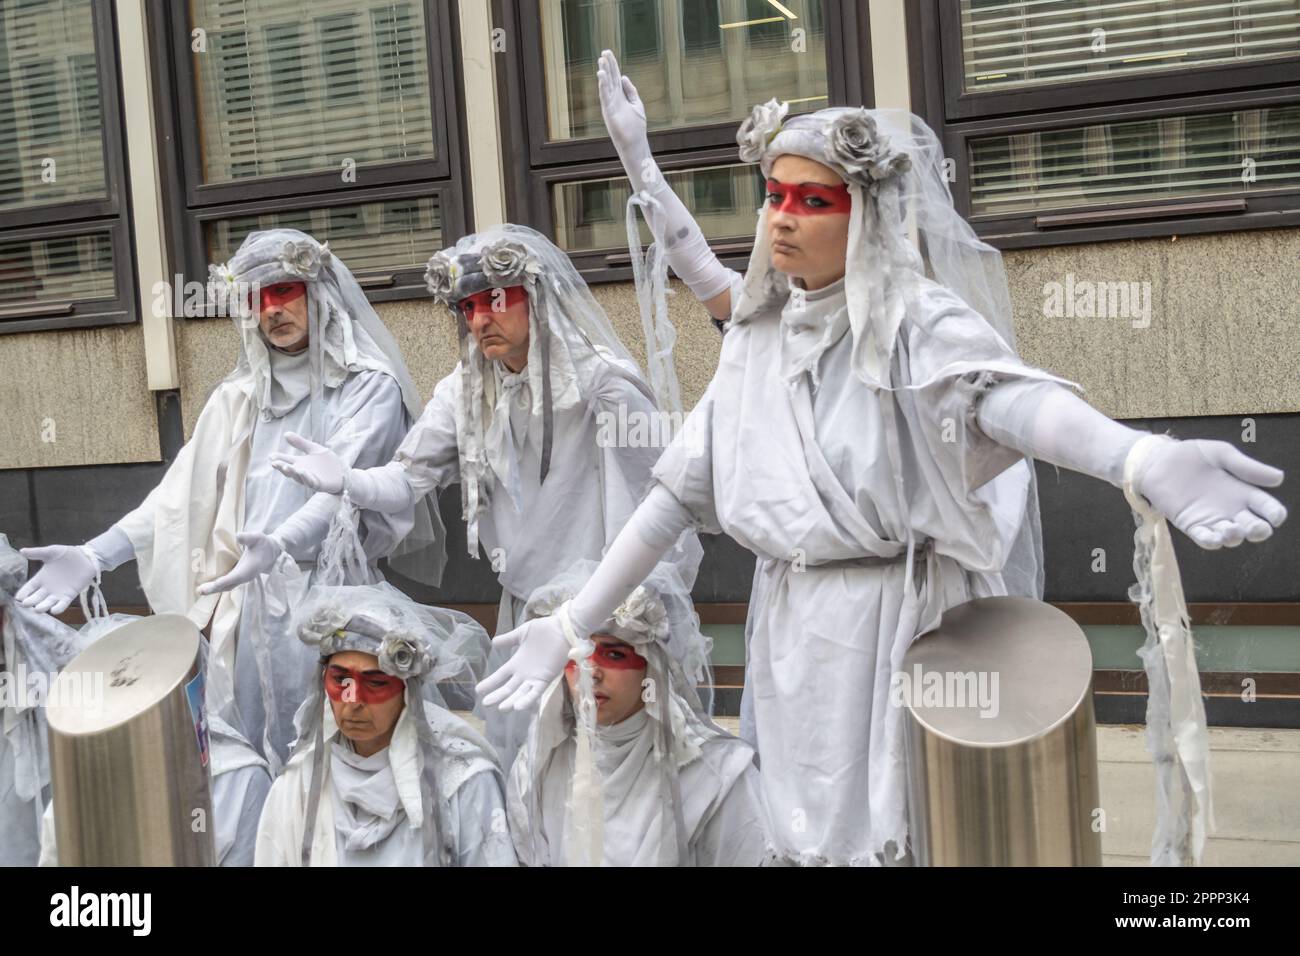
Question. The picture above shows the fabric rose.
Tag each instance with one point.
(855, 143)
(321, 627)
(507, 262)
(303, 259)
(226, 294)
(759, 128)
(439, 277)
(642, 613)
(402, 657)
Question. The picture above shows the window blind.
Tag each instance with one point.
(301, 86)
(1040, 42)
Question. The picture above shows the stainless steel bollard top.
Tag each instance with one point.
(1001, 738)
(129, 750)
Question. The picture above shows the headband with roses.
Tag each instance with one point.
(334, 629)
(297, 260)
(849, 141)
(498, 265)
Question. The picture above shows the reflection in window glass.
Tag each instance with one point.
(1137, 161)
(51, 129)
(57, 270)
(592, 214)
(694, 62)
(1038, 42)
(377, 237)
(295, 86)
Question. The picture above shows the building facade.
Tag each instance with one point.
(1139, 163)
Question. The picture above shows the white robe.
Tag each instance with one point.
(717, 778)
(470, 787)
(19, 818)
(33, 647)
(221, 483)
(804, 479)
(589, 493)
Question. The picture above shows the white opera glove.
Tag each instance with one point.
(67, 570)
(546, 643)
(316, 468)
(1207, 489)
(625, 120)
(260, 553)
(671, 223)
(1210, 490)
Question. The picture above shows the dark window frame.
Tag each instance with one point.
(191, 203)
(522, 96)
(957, 117)
(110, 215)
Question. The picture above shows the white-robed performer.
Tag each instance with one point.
(545, 422)
(34, 647)
(864, 436)
(644, 777)
(382, 774)
(314, 359)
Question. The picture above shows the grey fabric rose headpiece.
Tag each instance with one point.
(334, 629)
(288, 257)
(847, 139)
(499, 265)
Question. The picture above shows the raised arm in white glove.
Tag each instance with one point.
(1208, 489)
(69, 570)
(544, 644)
(384, 489)
(677, 233)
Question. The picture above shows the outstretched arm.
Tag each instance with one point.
(544, 643)
(386, 489)
(677, 233)
(1208, 489)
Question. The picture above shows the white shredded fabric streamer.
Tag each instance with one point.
(1177, 736)
(650, 275)
(586, 819)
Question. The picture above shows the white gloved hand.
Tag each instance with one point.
(674, 229)
(260, 554)
(67, 571)
(317, 468)
(542, 650)
(1211, 492)
(625, 119)
(543, 645)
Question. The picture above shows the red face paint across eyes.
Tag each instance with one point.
(614, 657)
(484, 301)
(809, 199)
(280, 293)
(365, 687)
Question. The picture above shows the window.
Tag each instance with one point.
(699, 66)
(1071, 122)
(62, 210)
(337, 117)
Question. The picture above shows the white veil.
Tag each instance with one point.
(895, 170)
(346, 335)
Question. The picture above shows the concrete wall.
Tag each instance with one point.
(1223, 335)
(78, 397)
(1224, 332)
(1223, 339)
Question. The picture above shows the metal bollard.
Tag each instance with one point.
(1009, 778)
(129, 770)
